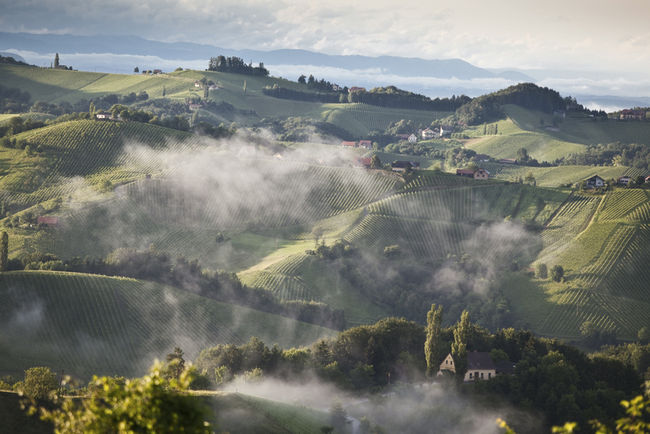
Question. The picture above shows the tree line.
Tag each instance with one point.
(236, 65)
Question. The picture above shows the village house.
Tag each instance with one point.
(402, 166)
(349, 144)
(594, 182)
(104, 116)
(356, 89)
(647, 179)
(481, 174)
(364, 162)
(47, 220)
(624, 180)
(197, 84)
(480, 366)
(473, 173)
(193, 106)
(367, 144)
(412, 138)
(428, 134)
(628, 114)
(469, 173)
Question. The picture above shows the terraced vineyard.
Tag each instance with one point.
(604, 265)
(91, 149)
(92, 324)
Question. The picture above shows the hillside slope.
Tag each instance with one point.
(86, 324)
(601, 242)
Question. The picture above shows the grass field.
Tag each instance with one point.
(86, 324)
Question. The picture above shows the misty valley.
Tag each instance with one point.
(224, 250)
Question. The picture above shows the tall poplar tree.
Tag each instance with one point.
(4, 251)
(459, 346)
(433, 351)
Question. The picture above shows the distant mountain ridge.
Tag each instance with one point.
(134, 45)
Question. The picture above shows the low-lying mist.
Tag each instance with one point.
(421, 408)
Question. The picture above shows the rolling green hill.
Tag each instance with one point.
(545, 140)
(86, 324)
(60, 85)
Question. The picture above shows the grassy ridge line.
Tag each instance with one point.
(94, 324)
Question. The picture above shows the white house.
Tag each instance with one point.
(447, 365)
(480, 366)
(413, 138)
(428, 134)
(595, 182)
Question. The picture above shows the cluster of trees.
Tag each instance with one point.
(359, 358)
(322, 84)
(611, 154)
(13, 100)
(321, 96)
(555, 379)
(236, 65)
(11, 61)
(126, 113)
(17, 125)
(391, 96)
(159, 402)
(188, 275)
(487, 108)
(300, 129)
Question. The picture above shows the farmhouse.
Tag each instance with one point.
(402, 166)
(481, 174)
(594, 182)
(428, 134)
(104, 116)
(412, 138)
(465, 172)
(445, 132)
(365, 144)
(197, 84)
(628, 114)
(647, 179)
(365, 162)
(447, 365)
(624, 180)
(47, 220)
(480, 366)
(349, 144)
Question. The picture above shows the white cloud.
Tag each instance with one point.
(587, 34)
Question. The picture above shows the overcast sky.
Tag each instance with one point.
(562, 34)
